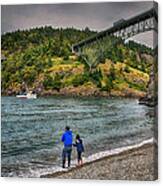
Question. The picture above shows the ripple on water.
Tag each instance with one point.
(31, 129)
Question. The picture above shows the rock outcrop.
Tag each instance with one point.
(151, 97)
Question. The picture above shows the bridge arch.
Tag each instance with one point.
(125, 29)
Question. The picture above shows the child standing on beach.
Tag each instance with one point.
(80, 148)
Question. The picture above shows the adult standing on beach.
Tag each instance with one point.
(67, 139)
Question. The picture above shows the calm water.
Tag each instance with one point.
(31, 129)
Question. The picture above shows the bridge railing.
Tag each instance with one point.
(141, 23)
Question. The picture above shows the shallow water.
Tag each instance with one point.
(31, 129)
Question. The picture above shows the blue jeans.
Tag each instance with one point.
(66, 153)
(79, 155)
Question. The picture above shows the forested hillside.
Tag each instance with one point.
(41, 59)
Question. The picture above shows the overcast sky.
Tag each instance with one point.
(96, 16)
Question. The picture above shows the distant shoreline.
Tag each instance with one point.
(80, 96)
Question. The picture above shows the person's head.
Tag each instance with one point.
(77, 136)
(67, 128)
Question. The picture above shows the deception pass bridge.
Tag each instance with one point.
(124, 28)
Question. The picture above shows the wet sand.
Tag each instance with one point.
(135, 164)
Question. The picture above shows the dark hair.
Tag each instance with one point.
(67, 128)
(77, 136)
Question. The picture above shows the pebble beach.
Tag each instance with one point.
(134, 164)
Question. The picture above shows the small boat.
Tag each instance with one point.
(29, 95)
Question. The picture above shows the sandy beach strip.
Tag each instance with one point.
(133, 164)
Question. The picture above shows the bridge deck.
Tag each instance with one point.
(126, 23)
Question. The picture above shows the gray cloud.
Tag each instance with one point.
(97, 16)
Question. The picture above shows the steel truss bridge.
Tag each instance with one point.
(125, 29)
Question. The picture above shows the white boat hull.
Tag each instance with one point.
(28, 96)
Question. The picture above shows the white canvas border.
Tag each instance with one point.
(39, 182)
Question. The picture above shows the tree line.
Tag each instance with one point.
(30, 53)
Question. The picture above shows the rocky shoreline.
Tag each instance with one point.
(84, 92)
(135, 164)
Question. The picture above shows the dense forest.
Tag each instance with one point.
(42, 60)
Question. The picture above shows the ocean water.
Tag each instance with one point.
(31, 130)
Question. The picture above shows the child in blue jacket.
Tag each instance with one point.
(80, 148)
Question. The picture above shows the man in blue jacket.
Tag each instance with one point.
(67, 139)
